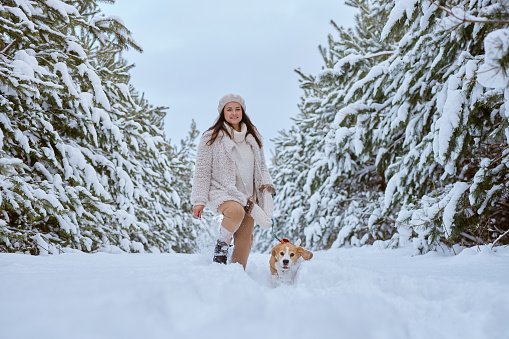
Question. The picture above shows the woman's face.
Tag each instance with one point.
(233, 113)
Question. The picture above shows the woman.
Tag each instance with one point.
(230, 168)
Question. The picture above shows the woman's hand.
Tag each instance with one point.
(197, 210)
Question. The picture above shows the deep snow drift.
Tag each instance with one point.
(346, 293)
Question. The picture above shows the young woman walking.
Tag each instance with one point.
(230, 168)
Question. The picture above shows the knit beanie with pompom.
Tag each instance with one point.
(231, 98)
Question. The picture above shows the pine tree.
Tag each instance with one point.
(84, 163)
(325, 184)
(409, 130)
(450, 127)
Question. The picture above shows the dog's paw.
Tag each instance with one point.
(274, 280)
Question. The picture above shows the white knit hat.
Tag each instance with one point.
(231, 98)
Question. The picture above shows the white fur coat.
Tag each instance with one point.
(215, 174)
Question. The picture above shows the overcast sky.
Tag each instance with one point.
(195, 51)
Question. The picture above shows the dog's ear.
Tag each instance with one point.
(305, 253)
(273, 252)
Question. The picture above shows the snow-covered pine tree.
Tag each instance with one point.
(84, 163)
(415, 117)
(326, 187)
(449, 180)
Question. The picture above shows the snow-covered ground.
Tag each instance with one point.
(345, 293)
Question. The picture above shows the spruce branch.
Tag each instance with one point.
(378, 54)
(442, 215)
(480, 232)
(9, 46)
(464, 19)
(500, 237)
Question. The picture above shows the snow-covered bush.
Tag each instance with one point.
(83, 162)
(397, 123)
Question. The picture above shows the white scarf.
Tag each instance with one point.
(244, 158)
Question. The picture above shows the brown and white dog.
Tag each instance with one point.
(284, 261)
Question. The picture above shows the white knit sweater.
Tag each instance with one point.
(244, 160)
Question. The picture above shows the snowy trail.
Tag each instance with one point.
(346, 293)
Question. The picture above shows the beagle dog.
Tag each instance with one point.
(284, 261)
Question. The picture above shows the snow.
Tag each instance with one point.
(374, 72)
(21, 16)
(490, 73)
(400, 8)
(176, 198)
(103, 21)
(95, 80)
(26, 64)
(22, 69)
(10, 162)
(449, 121)
(75, 47)
(350, 59)
(458, 16)
(450, 210)
(392, 187)
(66, 78)
(63, 9)
(39, 194)
(22, 140)
(352, 293)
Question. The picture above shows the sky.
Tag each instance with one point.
(195, 51)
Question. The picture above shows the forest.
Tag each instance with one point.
(401, 137)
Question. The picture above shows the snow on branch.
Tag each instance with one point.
(115, 24)
(492, 73)
(63, 9)
(458, 16)
(401, 8)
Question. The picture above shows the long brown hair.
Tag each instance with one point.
(219, 126)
